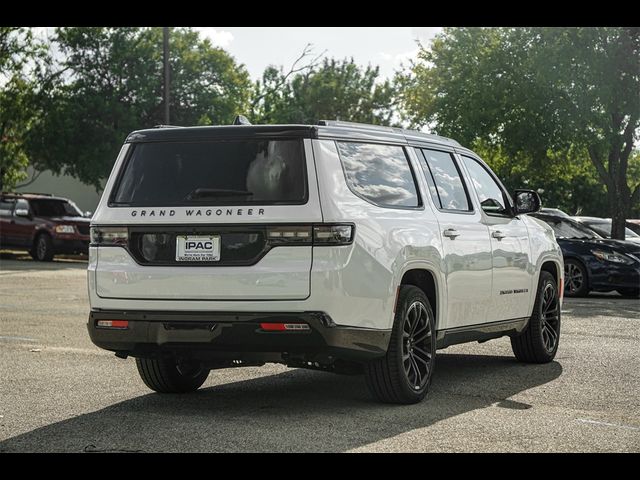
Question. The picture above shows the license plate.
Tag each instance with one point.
(197, 248)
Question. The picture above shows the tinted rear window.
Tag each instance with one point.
(213, 173)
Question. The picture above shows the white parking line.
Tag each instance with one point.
(595, 422)
(26, 339)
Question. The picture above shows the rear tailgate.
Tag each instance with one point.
(241, 192)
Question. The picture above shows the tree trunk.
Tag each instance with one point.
(619, 208)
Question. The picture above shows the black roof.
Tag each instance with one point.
(325, 129)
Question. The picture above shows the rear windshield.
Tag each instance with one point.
(54, 208)
(213, 173)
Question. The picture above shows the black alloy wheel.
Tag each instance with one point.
(550, 317)
(404, 374)
(538, 342)
(416, 345)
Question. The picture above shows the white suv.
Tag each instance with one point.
(341, 247)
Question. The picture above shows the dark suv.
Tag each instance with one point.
(43, 225)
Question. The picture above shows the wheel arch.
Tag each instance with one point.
(425, 277)
(553, 268)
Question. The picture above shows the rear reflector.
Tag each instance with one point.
(113, 323)
(281, 327)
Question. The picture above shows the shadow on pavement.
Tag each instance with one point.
(596, 305)
(296, 410)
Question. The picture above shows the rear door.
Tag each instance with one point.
(226, 219)
(465, 240)
(510, 249)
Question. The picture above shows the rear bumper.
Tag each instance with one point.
(235, 335)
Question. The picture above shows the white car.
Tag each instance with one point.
(341, 247)
(602, 226)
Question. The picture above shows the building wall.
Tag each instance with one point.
(85, 196)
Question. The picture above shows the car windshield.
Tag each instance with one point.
(568, 229)
(54, 208)
(604, 229)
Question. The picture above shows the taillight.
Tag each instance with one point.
(317, 235)
(289, 235)
(333, 234)
(112, 324)
(284, 327)
(109, 236)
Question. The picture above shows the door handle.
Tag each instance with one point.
(451, 233)
(498, 234)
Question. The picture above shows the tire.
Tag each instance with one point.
(629, 292)
(165, 375)
(576, 280)
(538, 343)
(42, 248)
(392, 380)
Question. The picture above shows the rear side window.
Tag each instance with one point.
(379, 173)
(213, 173)
(54, 208)
(450, 191)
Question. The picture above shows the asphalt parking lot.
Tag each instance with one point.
(59, 393)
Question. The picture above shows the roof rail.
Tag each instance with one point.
(167, 126)
(341, 123)
(28, 193)
(382, 128)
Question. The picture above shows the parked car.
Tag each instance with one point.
(593, 263)
(339, 247)
(634, 225)
(555, 211)
(43, 225)
(602, 226)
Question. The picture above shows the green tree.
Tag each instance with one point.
(334, 89)
(19, 57)
(109, 83)
(540, 95)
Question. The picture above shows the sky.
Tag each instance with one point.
(259, 47)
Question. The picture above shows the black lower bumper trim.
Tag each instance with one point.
(235, 334)
(62, 246)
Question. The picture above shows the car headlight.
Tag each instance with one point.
(65, 229)
(612, 257)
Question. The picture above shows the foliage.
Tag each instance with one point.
(19, 55)
(527, 92)
(335, 89)
(109, 83)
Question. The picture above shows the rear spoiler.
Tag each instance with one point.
(173, 134)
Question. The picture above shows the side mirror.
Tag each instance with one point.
(22, 212)
(527, 201)
(88, 214)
